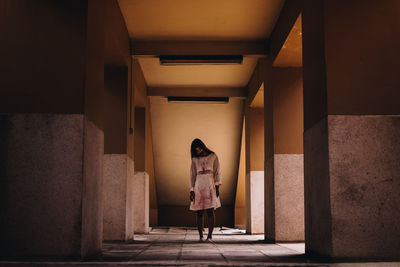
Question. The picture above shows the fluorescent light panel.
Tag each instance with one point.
(198, 99)
(201, 60)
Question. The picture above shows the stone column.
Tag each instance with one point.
(118, 197)
(118, 158)
(51, 130)
(141, 202)
(254, 126)
(352, 128)
(288, 195)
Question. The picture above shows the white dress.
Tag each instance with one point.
(205, 174)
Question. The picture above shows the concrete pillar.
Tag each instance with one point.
(118, 128)
(118, 197)
(254, 170)
(141, 202)
(352, 128)
(51, 130)
(288, 191)
(118, 158)
(240, 200)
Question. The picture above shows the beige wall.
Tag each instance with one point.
(255, 124)
(139, 85)
(362, 74)
(117, 76)
(139, 139)
(353, 62)
(240, 200)
(288, 110)
(174, 126)
(150, 168)
(34, 80)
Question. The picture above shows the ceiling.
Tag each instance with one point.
(197, 75)
(200, 20)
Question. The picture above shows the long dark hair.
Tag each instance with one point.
(198, 143)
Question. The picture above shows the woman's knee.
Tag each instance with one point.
(210, 212)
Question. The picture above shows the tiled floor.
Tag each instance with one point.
(181, 247)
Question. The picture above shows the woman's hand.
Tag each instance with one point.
(217, 190)
(191, 195)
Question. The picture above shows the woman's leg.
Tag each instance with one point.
(211, 222)
(200, 223)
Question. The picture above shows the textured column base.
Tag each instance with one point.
(352, 180)
(255, 202)
(141, 202)
(289, 197)
(47, 163)
(118, 197)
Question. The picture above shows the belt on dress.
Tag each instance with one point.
(204, 172)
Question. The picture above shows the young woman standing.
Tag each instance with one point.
(205, 180)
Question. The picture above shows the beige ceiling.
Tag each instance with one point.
(197, 75)
(200, 19)
(291, 54)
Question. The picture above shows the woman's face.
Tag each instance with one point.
(199, 150)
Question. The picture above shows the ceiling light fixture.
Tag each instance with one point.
(215, 100)
(201, 60)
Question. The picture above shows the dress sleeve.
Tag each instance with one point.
(193, 173)
(217, 171)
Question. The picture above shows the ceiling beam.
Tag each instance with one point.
(157, 48)
(205, 91)
(287, 18)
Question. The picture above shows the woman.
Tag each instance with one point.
(205, 179)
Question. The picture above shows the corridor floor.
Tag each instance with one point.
(174, 246)
(182, 246)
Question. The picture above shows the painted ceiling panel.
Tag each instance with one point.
(200, 19)
(197, 75)
(175, 125)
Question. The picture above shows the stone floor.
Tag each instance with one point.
(180, 247)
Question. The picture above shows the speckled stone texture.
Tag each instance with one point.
(141, 202)
(355, 161)
(269, 200)
(92, 197)
(364, 162)
(41, 185)
(289, 197)
(118, 190)
(317, 209)
(255, 202)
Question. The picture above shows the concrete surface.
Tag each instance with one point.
(255, 202)
(180, 247)
(364, 169)
(289, 197)
(317, 209)
(92, 196)
(141, 202)
(45, 182)
(118, 197)
(352, 180)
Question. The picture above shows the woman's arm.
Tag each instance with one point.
(193, 173)
(217, 172)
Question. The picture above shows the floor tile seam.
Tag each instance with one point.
(267, 256)
(222, 254)
(133, 258)
(298, 252)
(178, 258)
